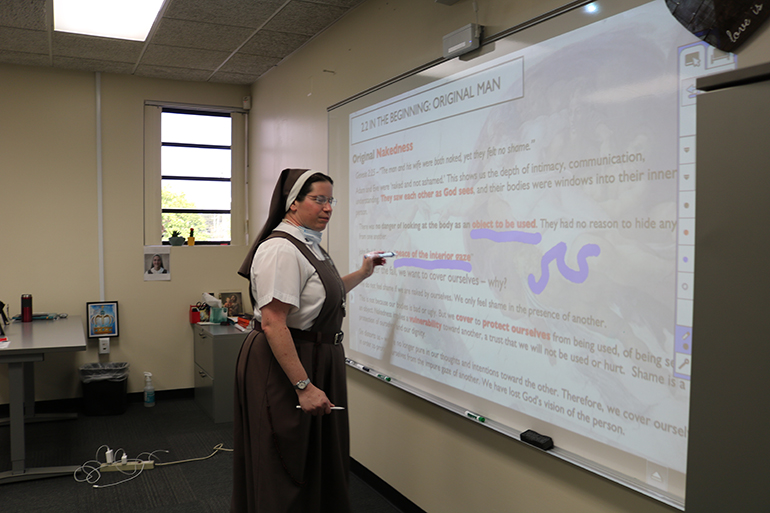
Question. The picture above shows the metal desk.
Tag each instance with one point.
(29, 342)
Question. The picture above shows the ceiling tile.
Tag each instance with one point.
(93, 65)
(27, 59)
(98, 48)
(234, 78)
(274, 44)
(239, 13)
(178, 57)
(28, 14)
(195, 34)
(305, 18)
(22, 40)
(340, 3)
(249, 64)
(194, 75)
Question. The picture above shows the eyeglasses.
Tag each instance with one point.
(323, 200)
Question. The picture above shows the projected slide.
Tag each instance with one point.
(532, 205)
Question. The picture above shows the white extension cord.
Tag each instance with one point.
(91, 471)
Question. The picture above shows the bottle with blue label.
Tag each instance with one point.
(149, 390)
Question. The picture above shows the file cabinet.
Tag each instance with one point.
(216, 351)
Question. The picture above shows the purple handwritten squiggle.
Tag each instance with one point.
(557, 253)
(509, 236)
(456, 265)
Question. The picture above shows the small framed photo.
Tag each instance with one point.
(102, 319)
(233, 302)
(157, 263)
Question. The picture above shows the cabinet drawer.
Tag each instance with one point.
(204, 391)
(204, 350)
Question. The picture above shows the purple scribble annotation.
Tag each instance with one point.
(557, 253)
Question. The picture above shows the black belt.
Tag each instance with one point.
(311, 336)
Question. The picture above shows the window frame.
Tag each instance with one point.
(153, 144)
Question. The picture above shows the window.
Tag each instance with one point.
(194, 174)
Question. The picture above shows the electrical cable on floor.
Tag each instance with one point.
(217, 448)
(91, 471)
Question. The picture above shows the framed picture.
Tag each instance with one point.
(233, 302)
(102, 319)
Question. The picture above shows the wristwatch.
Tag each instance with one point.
(302, 385)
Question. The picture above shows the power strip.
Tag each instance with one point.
(127, 466)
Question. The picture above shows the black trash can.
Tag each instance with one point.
(105, 388)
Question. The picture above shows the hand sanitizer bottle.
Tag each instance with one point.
(149, 390)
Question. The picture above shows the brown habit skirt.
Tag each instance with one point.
(286, 461)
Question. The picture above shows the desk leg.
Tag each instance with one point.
(29, 389)
(16, 406)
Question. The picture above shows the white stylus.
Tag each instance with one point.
(333, 407)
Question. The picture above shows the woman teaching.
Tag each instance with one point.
(290, 459)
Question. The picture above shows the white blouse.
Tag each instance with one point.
(279, 271)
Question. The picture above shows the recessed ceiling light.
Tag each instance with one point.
(120, 19)
(592, 8)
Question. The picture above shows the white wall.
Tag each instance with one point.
(437, 459)
(48, 215)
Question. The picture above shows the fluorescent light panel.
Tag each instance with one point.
(120, 19)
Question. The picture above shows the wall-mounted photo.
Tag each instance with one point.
(157, 263)
(102, 319)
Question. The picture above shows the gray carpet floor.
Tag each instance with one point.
(175, 425)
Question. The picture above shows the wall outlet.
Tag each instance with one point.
(104, 346)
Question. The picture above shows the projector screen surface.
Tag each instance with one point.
(540, 201)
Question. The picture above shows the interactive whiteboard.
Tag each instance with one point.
(540, 199)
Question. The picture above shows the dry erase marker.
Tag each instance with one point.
(474, 416)
(374, 254)
(357, 365)
(383, 377)
(333, 407)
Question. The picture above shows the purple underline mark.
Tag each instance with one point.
(557, 253)
(457, 265)
(509, 236)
